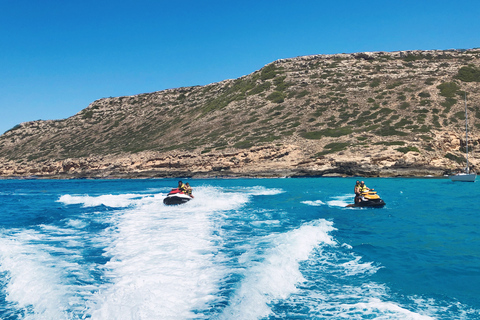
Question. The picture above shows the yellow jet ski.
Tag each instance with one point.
(369, 199)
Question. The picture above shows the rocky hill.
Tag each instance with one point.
(369, 114)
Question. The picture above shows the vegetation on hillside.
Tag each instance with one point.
(327, 100)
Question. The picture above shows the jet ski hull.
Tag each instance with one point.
(379, 203)
(175, 199)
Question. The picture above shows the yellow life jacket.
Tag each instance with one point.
(364, 188)
(356, 189)
(182, 188)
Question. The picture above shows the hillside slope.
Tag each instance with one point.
(398, 113)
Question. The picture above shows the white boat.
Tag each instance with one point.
(465, 176)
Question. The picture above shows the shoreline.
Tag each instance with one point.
(267, 174)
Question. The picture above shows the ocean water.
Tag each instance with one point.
(242, 249)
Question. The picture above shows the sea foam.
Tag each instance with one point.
(164, 262)
(277, 274)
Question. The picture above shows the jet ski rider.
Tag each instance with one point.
(185, 188)
(360, 189)
(363, 187)
(357, 192)
(182, 187)
(188, 189)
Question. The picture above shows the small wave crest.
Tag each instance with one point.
(316, 203)
(340, 201)
(339, 285)
(108, 200)
(258, 191)
(277, 274)
(43, 280)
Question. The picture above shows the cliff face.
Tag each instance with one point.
(387, 114)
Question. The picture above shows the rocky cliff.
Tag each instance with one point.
(368, 114)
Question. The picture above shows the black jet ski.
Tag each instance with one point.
(176, 196)
(369, 199)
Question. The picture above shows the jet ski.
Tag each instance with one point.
(176, 196)
(369, 199)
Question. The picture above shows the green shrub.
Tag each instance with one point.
(460, 115)
(394, 85)
(375, 83)
(302, 94)
(268, 72)
(276, 97)
(362, 84)
(260, 88)
(329, 132)
(448, 89)
(424, 94)
(389, 131)
(424, 128)
(469, 74)
(280, 84)
(390, 143)
(426, 138)
(235, 92)
(412, 57)
(407, 149)
(87, 115)
(448, 103)
(455, 158)
(335, 147)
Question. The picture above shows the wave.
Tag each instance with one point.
(45, 280)
(337, 201)
(340, 201)
(256, 190)
(338, 285)
(316, 203)
(108, 200)
(277, 275)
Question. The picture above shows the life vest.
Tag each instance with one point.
(356, 189)
(188, 190)
(183, 188)
(364, 188)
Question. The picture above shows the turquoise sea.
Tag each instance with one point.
(242, 249)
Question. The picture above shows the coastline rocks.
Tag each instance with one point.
(261, 161)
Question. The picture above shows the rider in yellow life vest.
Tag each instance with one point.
(363, 187)
(182, 187)
(188, 189)
(357, 192)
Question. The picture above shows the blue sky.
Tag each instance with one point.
(56, 57)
